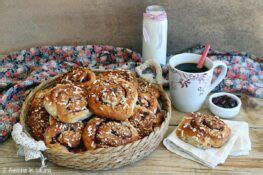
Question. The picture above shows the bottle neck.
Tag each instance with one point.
(155, 9)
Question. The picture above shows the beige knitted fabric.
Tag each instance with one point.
(28, 147)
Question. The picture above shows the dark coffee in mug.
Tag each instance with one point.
(190, 67)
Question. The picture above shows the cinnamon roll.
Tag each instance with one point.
(64, 136)
(101, 133)
(114, 99)
(123, 74)
(146, 87)
(67, 103)
(203, 131)
(158, 118)
(79, 76)
(38, 117)
(142, 120)
(148, 101)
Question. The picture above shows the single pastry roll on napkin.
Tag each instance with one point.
(237, 145)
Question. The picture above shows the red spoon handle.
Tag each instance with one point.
(202, 59)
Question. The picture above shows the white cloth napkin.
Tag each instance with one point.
(238, 144)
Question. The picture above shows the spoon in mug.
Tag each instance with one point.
(202, 59)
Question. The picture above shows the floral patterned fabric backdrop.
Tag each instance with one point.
(22, 70)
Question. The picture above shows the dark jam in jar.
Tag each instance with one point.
(224, 101)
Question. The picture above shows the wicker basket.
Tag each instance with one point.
(102, 158)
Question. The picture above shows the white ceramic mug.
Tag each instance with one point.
(189, 90)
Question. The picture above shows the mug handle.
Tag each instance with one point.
(221, 76)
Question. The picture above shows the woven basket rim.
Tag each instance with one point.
(51, 81)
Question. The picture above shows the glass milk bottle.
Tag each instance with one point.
(155, 34)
